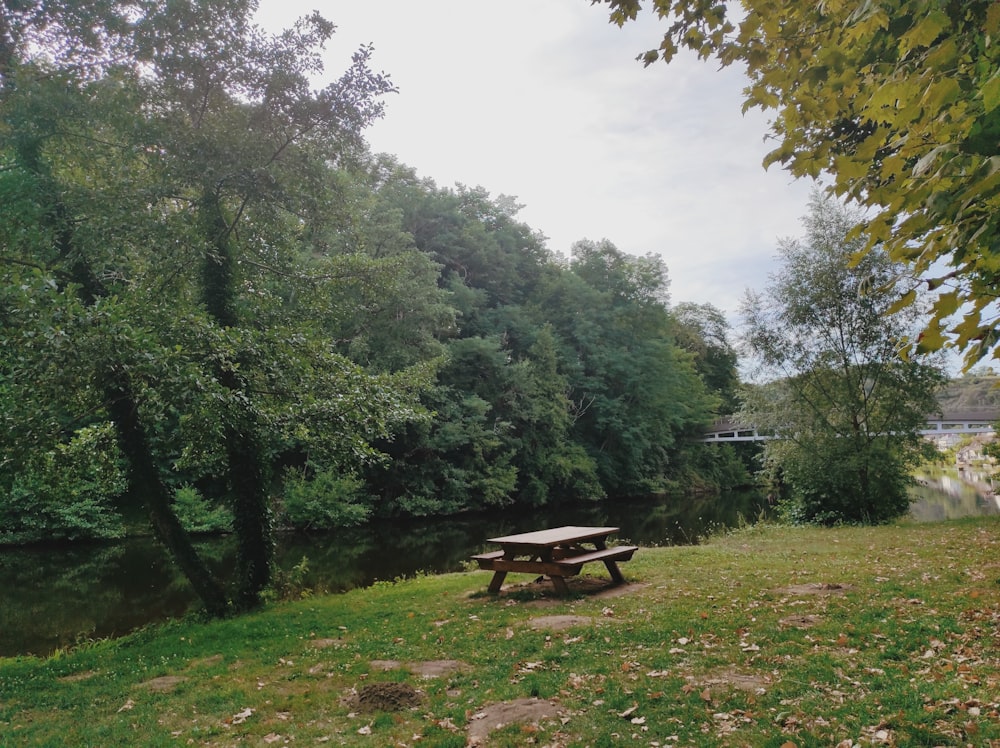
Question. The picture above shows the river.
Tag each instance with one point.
(58, 596)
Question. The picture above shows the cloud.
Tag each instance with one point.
(545, 101)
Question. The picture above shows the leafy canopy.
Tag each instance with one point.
(898, 101)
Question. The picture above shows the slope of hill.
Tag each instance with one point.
(971, 393)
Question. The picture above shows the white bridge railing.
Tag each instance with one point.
(968, 423)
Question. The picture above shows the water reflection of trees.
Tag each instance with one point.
(941, 495)
(51, 597)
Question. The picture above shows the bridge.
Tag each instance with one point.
(940, 427)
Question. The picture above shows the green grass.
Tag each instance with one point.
(769, 636)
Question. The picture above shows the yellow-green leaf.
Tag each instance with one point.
(968, 329)
(992, 25)
(941, 93)
(930, 339)
(991, 93)
(946, 304)
(924, 31)
(849, 168)
(903, 301)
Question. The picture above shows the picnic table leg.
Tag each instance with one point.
(614, 571)
(560, 584)
(497, 582)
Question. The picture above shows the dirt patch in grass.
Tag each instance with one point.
(541, 593)
(76, 677)
(560, 623)
(521, 711)
(205, 662)
(163, 684)
(386, 697)
(323, 643)
(731, 678)
(815, 588)
(425, 669)
(799, 622)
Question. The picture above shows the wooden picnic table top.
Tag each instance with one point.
(555, 536)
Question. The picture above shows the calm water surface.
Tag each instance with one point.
(51, 597)
(950, 494)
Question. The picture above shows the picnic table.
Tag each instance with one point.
(557, 553)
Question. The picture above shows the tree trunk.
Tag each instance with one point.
(246, 466)
(145, 481)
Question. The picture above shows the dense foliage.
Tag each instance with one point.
(898, 102)
(217, 308)
(848, 410)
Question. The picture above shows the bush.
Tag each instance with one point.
(322, 500)
(197, 515)
(834, 483)
(67, 493)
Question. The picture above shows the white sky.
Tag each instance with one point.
(544, 100)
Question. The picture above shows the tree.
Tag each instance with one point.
(551, 466)
(162, 207)
(703, 330)
(636, 394)
(899, 102)
(846, 409)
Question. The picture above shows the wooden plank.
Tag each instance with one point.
(529, 567)
(563, 567)
(555, 536)
(491, 554)
(497, 582)
(618, 553)
(486, 560)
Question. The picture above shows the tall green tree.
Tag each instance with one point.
(703, 330)
(552, 466)
(635, 393)
(898, 101)
(164, 207)
(846, 409)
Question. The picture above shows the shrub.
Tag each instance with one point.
(322, 500)
(67, 493)
(197, 515)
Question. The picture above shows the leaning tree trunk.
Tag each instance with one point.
(145, 481)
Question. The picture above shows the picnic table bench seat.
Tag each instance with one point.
(485, 560)
(617, 553)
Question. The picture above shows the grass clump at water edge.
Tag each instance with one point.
(768, 636)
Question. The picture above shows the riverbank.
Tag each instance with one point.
(767, 636)
(54, 596)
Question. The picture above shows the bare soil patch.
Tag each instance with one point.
(729, 677)
(322, 643)
(560, 623)
(540, 592)
(75, 677)
(425, 669)
(521, 711)
(799, 622)
(163, 684)
(815, 588)
(205, 662)
(386, 697)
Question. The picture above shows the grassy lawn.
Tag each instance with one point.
(769, 636)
